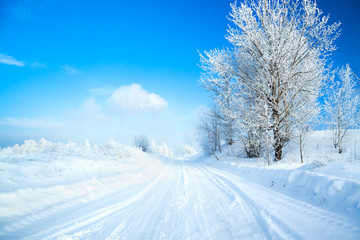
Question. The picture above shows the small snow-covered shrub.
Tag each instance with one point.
(189, 151)
(161, 149)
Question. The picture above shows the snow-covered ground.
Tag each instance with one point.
(83, 191)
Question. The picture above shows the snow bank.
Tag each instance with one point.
(333, 186)
(43, 163)
(40, 174)
(327, 179)
(338, 194)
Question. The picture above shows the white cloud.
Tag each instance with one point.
(135, 98)
(9, 60)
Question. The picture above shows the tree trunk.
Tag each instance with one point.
(278, 145)
(340, 146)
(277, 137)
(339, 134)
(301, 150)
(278, 153)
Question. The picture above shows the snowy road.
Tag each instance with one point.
(182, 200)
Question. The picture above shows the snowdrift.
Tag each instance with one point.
(325, 191)
(40, 176)
(327, 179)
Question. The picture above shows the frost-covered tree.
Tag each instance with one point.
(278, 59)
(209, 132)
(342, 105)
(142, 142)
(305, 125)
(251, 124)
(235, 114)
(222, 88)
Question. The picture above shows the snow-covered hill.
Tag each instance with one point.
(83, 191)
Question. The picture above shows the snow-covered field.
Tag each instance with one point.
(83, 191)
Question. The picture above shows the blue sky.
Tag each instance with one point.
(66, 64)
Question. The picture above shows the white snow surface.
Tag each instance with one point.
(83, 191)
